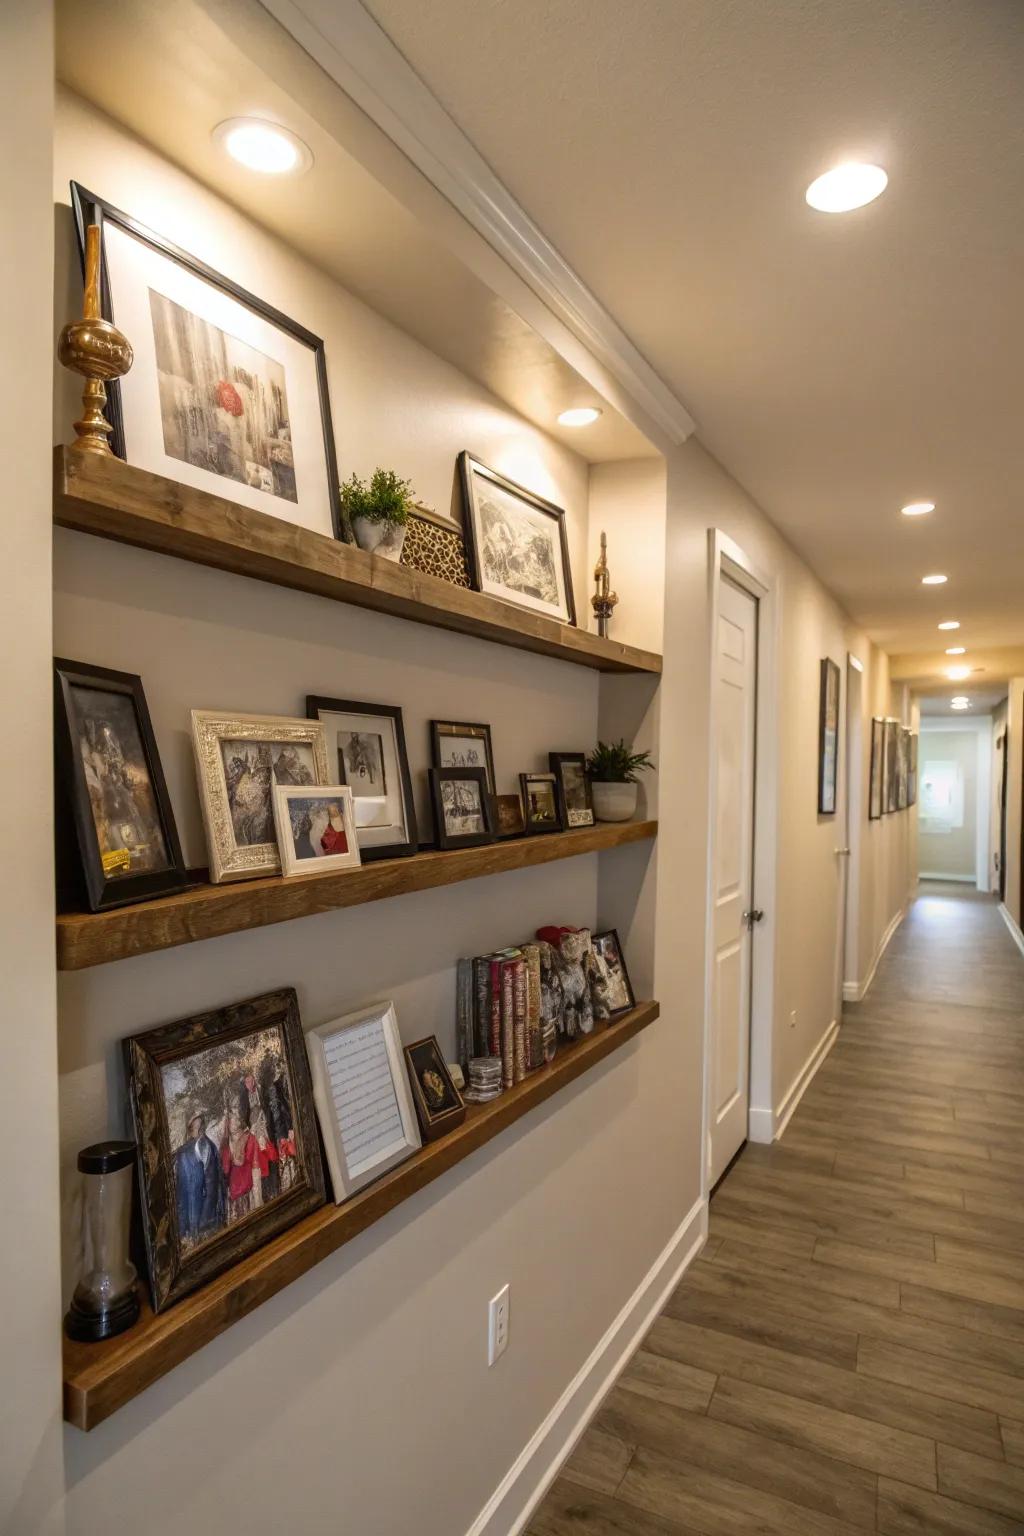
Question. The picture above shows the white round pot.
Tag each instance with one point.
(614, 802)
(384, 539)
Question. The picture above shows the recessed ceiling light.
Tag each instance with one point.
(950, 624)
(956, 650)
(917, 508)
(933, 581)
(579, 416)
(957, 674)
(845, 187)
(263, 146)
(960, 703)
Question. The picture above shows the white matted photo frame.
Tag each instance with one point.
(516, 543)
(362, 1095)
(316, 829)
(367, 752)
(239, 759)
(226, 394)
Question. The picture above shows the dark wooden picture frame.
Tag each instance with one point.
(425, 1056)
(439, 729)
(90, 209)
(82, 880)
(877, 771)
(828, 722)
(572, 817)
(509, 819)
(470, 466)
(534, 826)
(317, 705)
(891, 796)
(612, 933)
(172, 1274)
(448, 840)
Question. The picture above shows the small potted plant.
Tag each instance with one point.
(613, 773)
(378, 513)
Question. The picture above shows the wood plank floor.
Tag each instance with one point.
(847, 1354)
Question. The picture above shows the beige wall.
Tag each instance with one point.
(627, 501)
(951, 853)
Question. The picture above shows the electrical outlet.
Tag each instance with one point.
(792, 1019)
(497, 1325)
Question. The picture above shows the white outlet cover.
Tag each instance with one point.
(497, 1325)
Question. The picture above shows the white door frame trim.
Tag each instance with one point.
(725, 557)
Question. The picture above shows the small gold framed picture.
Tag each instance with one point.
(438, 1104)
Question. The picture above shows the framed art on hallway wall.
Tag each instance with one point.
(875, 801)
(828, 738)
(516, 542)
(890, 780)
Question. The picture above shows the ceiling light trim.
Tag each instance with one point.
(346, 42)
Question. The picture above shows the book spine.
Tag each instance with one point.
(494, 1036)
(482, 1006)
(519, 1020)
(464, 1011)
(534, 1045)
(508, 1067)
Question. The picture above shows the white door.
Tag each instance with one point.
(735, 685)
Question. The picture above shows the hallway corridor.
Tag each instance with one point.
(848, 1352)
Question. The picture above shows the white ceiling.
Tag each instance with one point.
(838, 366)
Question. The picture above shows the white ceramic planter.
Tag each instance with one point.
(384, 539)
(614, 802)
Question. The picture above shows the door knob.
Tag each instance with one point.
(844, 853)
(753, 915)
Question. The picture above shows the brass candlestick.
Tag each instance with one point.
(95, 349)
(604, 599)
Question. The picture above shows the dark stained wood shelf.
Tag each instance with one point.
(100, 1378)
(210, 911)
(108, 497)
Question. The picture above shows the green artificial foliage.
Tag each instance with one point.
(387, 498)
(614, 763)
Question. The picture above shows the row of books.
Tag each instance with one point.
(499, 1017)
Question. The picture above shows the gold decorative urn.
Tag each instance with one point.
(98, 351)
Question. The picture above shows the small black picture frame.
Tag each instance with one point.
(447, 812)
(607, 950)
(319, 707)
(472, 471)
(450, 730)
(541, 808)
(572, 812)
(117, 775)
(828, 738)
(439, 1105)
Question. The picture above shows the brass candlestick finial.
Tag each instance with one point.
(95, 349)
(604, 599)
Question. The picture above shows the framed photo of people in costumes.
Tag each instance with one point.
(316, 829)
(228, 1150)
(115, 835)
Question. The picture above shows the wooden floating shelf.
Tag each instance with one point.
(108, 497)
(100, 1378)
(210, 911)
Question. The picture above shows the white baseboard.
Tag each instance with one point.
(760, 1125)
(804, 1078)
(954, 879)
(853, 991)
(536, 1467)
(1015, 932)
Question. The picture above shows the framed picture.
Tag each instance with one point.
(516, 541)
(613, 978)
(509, 812)
(316, 829)
(228, 1149)
(902, 767)
(875, 787)
(573, 786)
(455, 745)
(239, 759)
(366, 746)
(912, 773)
(462, 807)
(436, 1097)
(362, 1095)
(226, 394)
(434, 545)
(116, 838)
(539, 792)
(891, 792)
(828, 738)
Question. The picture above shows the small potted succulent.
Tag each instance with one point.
(378, 513)
(613, 773)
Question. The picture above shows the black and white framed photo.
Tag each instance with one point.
(890, 800)
(828, 738)
(116, 838)
(539, 794)
(363, 1097)
(876, 802)
(226, 394)
(437, 1100)
(902, 768)
(912, 771)
(455, 744)
(517, 543)
(366, 746)
(316, 829)
(463, 807)
(574, 799)
(612, 981)
(239, 759)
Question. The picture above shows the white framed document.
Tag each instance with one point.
(362, 1096)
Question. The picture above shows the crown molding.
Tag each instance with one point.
(349, 46)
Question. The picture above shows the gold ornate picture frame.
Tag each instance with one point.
(239, 759)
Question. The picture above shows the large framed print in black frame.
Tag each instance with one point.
(828, 738)
(115, 834)
(876, 805)
(226, 394)
(516, 543)
(366, 749)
